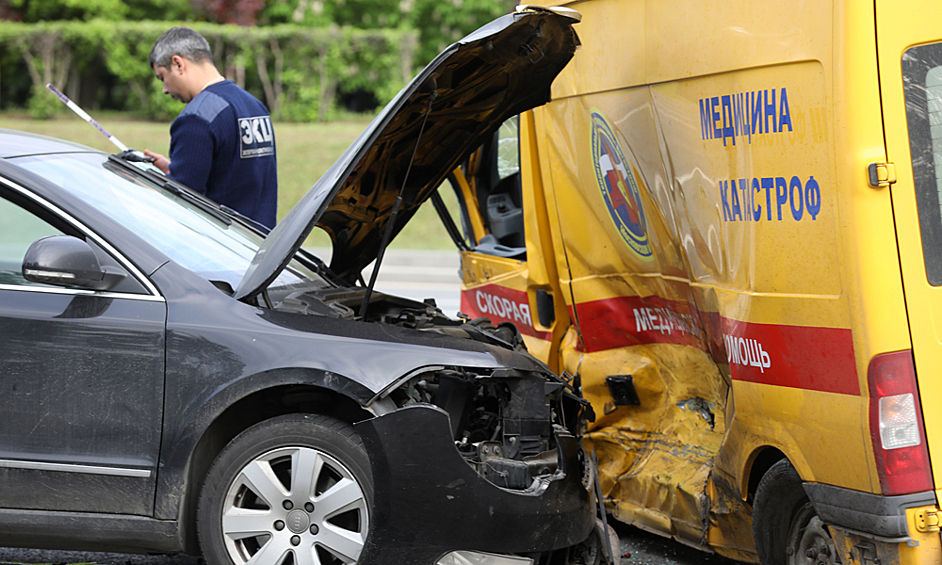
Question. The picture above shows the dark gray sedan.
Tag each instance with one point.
(174, 379)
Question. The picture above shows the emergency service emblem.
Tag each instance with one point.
(256, 137)
(619, 188)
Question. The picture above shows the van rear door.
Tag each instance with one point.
(910, 67)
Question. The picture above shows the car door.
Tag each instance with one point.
(81, 375)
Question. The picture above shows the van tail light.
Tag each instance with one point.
(896, 427)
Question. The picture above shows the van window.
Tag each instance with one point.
(922, 76)
(508, 148)
(498, 188)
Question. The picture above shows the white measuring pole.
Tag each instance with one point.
(75, 108)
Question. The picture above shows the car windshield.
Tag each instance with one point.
(182, 230)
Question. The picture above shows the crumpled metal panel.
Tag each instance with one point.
(422, 485)
(655, 458)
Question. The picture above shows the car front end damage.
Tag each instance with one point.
(470, 464)
(477, 467)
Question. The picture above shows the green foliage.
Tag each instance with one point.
(42, 106)
(303, 104)
(361, 14)
(366, 14)
(302, 56)
(167, 10)
(442, 22)
(33, 11)
(438, 23)
(296, 71)
(46, 10)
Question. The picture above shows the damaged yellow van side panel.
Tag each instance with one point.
(704, 252)
(722, 271)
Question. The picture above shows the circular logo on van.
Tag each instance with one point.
(619, 188)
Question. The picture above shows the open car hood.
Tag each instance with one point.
(462, 97)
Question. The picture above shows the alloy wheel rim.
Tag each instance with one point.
(295, 506)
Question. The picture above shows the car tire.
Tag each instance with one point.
(785, 526)
(251, 506)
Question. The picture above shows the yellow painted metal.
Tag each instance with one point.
(925, 547)
(774, 272)
(897, 32)
(542, 275)
(479, 270)
(801, 423)
(655, 458)
(926, 520)
(471, 202)
(768, 272)
(875, 303)
(808, 252)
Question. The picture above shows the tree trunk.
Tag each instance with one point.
(55, 60)
(240, 70)
(266, 82)
(278, 85)
(328, 87)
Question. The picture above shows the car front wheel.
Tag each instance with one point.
(292, 490)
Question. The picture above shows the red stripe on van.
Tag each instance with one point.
(501, 304)
(632, 320)
(809, 358)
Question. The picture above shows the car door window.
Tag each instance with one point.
(20, 229)
(23, 224)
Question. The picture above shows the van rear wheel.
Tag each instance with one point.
(786, 528)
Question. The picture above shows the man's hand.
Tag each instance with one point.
(160, 161)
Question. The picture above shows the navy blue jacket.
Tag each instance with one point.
(222, 145)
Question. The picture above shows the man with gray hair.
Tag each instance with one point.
(222, 144)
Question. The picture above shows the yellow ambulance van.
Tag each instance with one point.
(726, 228)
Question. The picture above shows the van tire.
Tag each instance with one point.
(785, 526)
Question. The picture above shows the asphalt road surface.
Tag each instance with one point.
(638, 548)
(418, 275)
(642, 548)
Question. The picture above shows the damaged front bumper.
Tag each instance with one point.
(430, 502)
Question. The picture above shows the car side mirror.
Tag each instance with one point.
(63, 260)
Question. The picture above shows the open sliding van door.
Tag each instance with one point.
(508, 268)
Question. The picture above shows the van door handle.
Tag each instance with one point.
(545, 307)
(881, 175)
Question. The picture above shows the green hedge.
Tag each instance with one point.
(298, 72)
